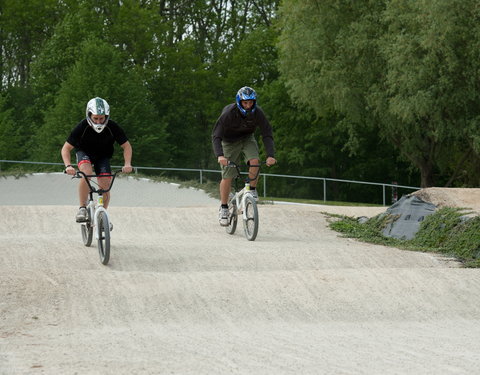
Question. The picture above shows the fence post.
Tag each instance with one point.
(394, 192)
(324, 190)
(201, 177)
(264, 185)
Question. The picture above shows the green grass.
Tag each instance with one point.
(448, 231)
(17, 173)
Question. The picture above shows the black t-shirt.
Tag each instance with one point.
(96, 145)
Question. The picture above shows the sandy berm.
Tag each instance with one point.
(181, 296)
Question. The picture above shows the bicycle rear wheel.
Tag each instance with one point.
(103, 231)
(233, 216)
(250, 218)
(87, 229)
(87, 233)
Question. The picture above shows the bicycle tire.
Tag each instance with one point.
(103, 232)
(250, 218)
(233, 217)
(87, 230)
(87, 233)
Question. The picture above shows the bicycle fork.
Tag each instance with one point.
(99, 209)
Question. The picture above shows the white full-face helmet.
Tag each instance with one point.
(97, 106)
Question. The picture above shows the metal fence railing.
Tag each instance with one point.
(266, 177)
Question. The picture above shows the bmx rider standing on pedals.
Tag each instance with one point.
(93, 139)
(233, 136)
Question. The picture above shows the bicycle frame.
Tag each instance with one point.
(243, 202)
(98, 218)
(94, 207)
(240, 197)
(231, 164)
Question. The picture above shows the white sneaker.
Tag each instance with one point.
(223, 215)
(81, 215)
(254, 194)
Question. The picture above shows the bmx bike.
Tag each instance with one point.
(243, 203)
(97, 217)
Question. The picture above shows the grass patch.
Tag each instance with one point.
(17, 173)
(369, 231)
(448, 231)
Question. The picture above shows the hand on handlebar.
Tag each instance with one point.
(270, 161)
(127, 168)
(222, 160)
(70, 170)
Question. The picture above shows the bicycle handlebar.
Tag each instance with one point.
(80, 174)
(232, 164)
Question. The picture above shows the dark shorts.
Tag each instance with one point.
(233, 151)
(100, 165)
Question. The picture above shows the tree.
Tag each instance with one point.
(10, 139)
(403, 69)
(106, 76)
(431, 85)
(24, 28)
(253, 61)
(328, 60)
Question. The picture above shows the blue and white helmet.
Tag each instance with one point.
(97, 106)
(246, 93)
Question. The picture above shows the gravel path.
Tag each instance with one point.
(180, 296)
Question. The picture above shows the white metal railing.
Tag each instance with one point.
(264, 175)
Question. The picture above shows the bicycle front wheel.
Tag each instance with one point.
(250, 218)
(103, 231)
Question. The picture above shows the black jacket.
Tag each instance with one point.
(232, 126)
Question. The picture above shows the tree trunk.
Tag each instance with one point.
(426, 174)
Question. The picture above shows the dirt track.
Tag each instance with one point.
(180, 296)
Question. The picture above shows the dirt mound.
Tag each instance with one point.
(468, 198)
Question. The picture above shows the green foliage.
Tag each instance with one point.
(253, 60)
(183, 92)
(25, 25)
(464, 242)
(448, 231)
(371, 231)
(431, 80)
(452, 233)
(10, 139)
(106, 76)
(370, 90)
(60, 53)
(134, 29)
(404, 70)
(436, 229)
